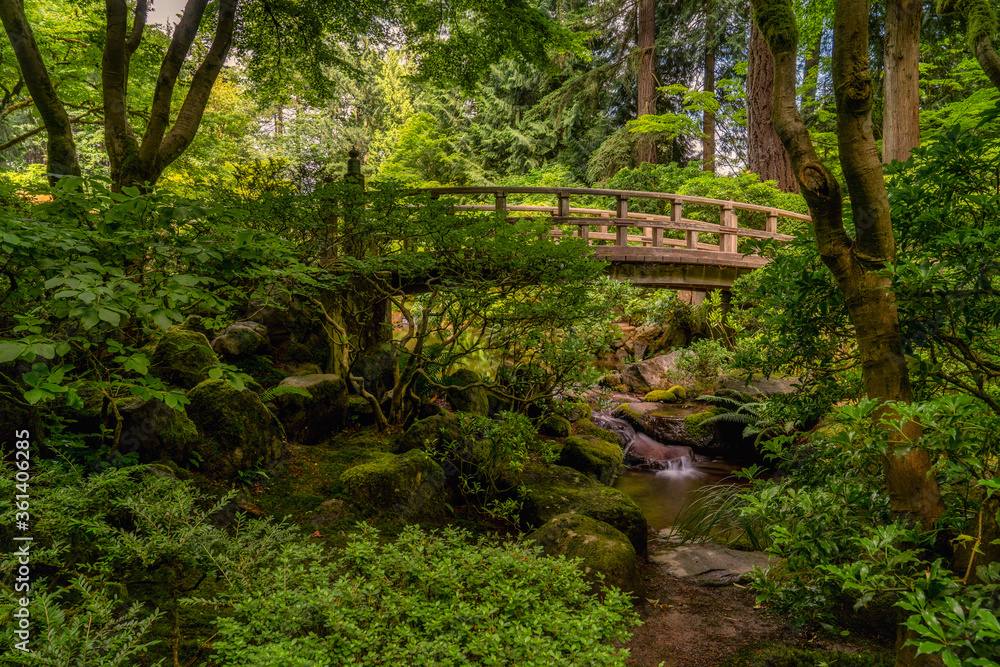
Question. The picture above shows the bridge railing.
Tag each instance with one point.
(624, 232)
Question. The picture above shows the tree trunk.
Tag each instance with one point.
(708, 121)
(141, 163)
(61, 149)
(766, 154)
(854, 262)
(901, 122)
(646, 147)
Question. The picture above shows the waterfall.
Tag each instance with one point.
(620, 427)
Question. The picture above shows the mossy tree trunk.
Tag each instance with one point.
(855, 262)
(61, 149)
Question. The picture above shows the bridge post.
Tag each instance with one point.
(772, 223)
(727, 219)
(621, 227)
(677, 215)
(500, 205)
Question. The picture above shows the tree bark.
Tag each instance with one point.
(646, 147)
(139, 163)
(61, 149)
(989, 60)
(766, 154)
(708, 121)
(901, 122)
(854, 262)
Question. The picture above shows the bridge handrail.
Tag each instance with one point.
(628, 194)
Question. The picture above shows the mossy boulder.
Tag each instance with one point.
(466, 398)
(155, 431)
(555, 426)
(590, 429)
(409, 487)
(237, 431)
(431, 431)
(554, 489)
(240, 339)
(675, 394)
(183, 358)
(314, 418)
(598, 458)
(602, 548)
(359, 411)
(577, 411)
(696, 425)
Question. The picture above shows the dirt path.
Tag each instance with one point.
(685, 625)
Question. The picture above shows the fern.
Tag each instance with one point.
(275, 392)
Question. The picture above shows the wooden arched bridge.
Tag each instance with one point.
(650, 250)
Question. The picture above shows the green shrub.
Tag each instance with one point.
(426, 599)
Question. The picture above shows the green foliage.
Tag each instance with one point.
(709, 358)
(424, 599)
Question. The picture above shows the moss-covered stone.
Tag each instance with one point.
(675, 394)
(555, 426)
(359, 411)
(376, 367)
(262, 370)
(183, 358)
(628, 413)
(240, 339)
(590, 429)
(602, 548)
(696, 425)
(155, 431)
(430, 432)
(465, 398)
(410, 486)
(238, 431)
(577, 411)
(598, 458)
(314, 418)
(554, 489)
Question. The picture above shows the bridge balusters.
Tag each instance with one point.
(677, 215)
(621, 226)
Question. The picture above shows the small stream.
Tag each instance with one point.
(660, 494)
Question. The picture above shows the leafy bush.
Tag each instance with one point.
(425, 599)
(709, 359)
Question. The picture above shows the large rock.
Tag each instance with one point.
(555, 426)
(647, 454)
(710, 564)
(755, 386)
(240, 339)
(601, 547)
(655, 373)
(311, 419)
(669, 429)
(376, 367)
(430, 432)
(465, 398)
(409, 487)
(154, 431)
(238, 431)
(553, 489)
(183, 358)
(586, 427)
(598, 458)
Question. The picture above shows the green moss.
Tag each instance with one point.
(675, 394)
(625, 411)
(776, 21)
(556, 426)
(408, 486)
(696, 423)
(261, 369)
(238, 432)
(553, 489)
(183, 358)
(430, 431)
(588, 428)
(601, 547)
(598, 458)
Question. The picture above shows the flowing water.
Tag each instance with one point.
(660, 494)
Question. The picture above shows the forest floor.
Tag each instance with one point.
(687, 625)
